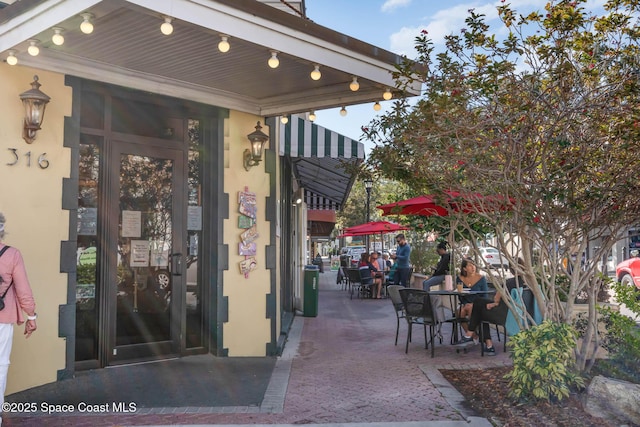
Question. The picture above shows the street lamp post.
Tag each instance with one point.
(368, 184)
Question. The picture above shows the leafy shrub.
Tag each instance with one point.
(423, 256)
(543, 362)
(622, 335)
(86, 273)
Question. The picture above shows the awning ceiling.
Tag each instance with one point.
(320, 158)
(127, 48)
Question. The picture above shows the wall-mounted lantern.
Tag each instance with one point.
(253, 156)
(34, 102)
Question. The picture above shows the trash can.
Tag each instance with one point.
(310, 304)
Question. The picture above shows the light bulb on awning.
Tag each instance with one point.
(166, 28)
(224, 45)
(273, 60)
(86, 26)
(33, 48)
(354, 85)
(316, 74)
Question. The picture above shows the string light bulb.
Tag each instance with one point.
(316, 74)
(224, 45)
(273, 60)
(11, 59)
(284, 120)
(33, 48)
(166, 28)
(57, 38)
(354, 85)
(343, 111)
(377, 106)
(86, 26)
(387, 95)
(312, 116)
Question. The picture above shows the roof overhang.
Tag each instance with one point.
(127, 48)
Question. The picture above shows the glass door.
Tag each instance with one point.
(146, 246)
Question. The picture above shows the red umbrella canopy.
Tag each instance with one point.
(373, 227)
(421, 205)
(467, 203)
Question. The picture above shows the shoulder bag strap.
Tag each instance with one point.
(2, 251)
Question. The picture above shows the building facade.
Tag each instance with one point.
(149, 227)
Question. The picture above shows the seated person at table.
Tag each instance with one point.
(377, 273)
(365, 261)
(442, 268)
(473, 281)
(493, 310)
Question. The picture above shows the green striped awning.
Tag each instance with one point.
(318, 157)
(302, 138)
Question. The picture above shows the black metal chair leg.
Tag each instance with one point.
(406, 348)
(433, 344)
(397, 327)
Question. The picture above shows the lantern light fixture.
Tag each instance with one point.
(354, 85)
(316, 74)
(343, 111)
(387, 95)
(86, 26)
(33, 48)
(273, 60)
(166, 28)
(377, 106)
(284, 120)
(11, 59)
(224, 45)
(57, 38)
(253, 156)
(312, 116)
(34, 102)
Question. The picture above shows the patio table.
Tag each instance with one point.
(455, 305)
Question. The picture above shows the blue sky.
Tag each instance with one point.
(393, 25)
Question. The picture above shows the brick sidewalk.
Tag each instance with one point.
(339, 367)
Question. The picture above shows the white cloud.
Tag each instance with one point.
(389, 5)
(450, 21)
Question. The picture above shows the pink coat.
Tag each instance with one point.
(19, 299)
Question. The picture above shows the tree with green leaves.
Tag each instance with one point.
(537, 132)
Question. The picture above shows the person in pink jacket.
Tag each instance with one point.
(18, 301)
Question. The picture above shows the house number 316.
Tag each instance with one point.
(43, 163)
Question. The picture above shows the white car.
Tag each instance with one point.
(494, 258)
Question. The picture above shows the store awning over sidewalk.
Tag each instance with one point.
(321, 159)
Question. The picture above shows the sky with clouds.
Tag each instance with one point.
(393, 25)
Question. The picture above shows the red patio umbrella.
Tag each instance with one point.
(454, 202)
(421, 205)
(373, 227)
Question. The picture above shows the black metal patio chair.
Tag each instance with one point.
(418, 311)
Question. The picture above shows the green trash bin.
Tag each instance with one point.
(311, 278)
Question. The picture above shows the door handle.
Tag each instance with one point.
(176, 264)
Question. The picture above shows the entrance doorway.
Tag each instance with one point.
(148, 199)
(143, 197)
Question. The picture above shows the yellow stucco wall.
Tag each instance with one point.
(36, 223)
(248, 330)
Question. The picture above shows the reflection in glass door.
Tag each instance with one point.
(148, 254)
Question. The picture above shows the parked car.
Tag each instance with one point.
(494, 258)
(352, 253)
(628, 272)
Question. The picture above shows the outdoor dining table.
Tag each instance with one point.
(454, 295)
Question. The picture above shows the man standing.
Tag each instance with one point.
(403, 271)
(441, 270)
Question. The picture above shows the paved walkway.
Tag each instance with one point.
(340, 367)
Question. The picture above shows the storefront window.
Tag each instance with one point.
(193, 290)
(87, 254)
